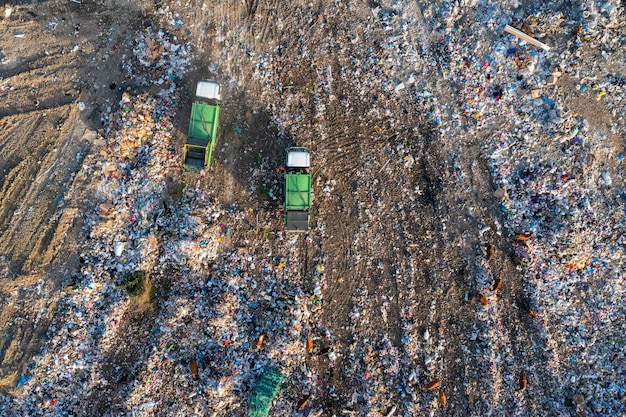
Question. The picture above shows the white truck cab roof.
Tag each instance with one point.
(209, 90)
(298, 157)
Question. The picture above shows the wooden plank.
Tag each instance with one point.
(525, 37)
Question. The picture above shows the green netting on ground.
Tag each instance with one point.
(265, 390)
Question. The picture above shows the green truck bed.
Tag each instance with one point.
(297, 201)
(201, 136)
(297, 191)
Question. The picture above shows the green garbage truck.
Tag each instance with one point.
(202, 133)
(297, 189)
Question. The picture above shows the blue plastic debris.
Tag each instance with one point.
(22, 380)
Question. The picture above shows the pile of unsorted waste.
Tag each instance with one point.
(233, 313)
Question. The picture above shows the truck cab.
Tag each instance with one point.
(203, 120)
(297, 189)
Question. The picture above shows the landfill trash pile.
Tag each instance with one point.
(553, 168)
(400, 109)
(554, 171)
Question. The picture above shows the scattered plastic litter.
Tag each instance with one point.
(564, 213)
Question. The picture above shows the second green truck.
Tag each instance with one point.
(297, 190)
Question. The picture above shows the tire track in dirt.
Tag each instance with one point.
(45, 138)
(435, 312)
(499, 343)
(378, 251)
(449, 206)
(33, 190)
(38, 234)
